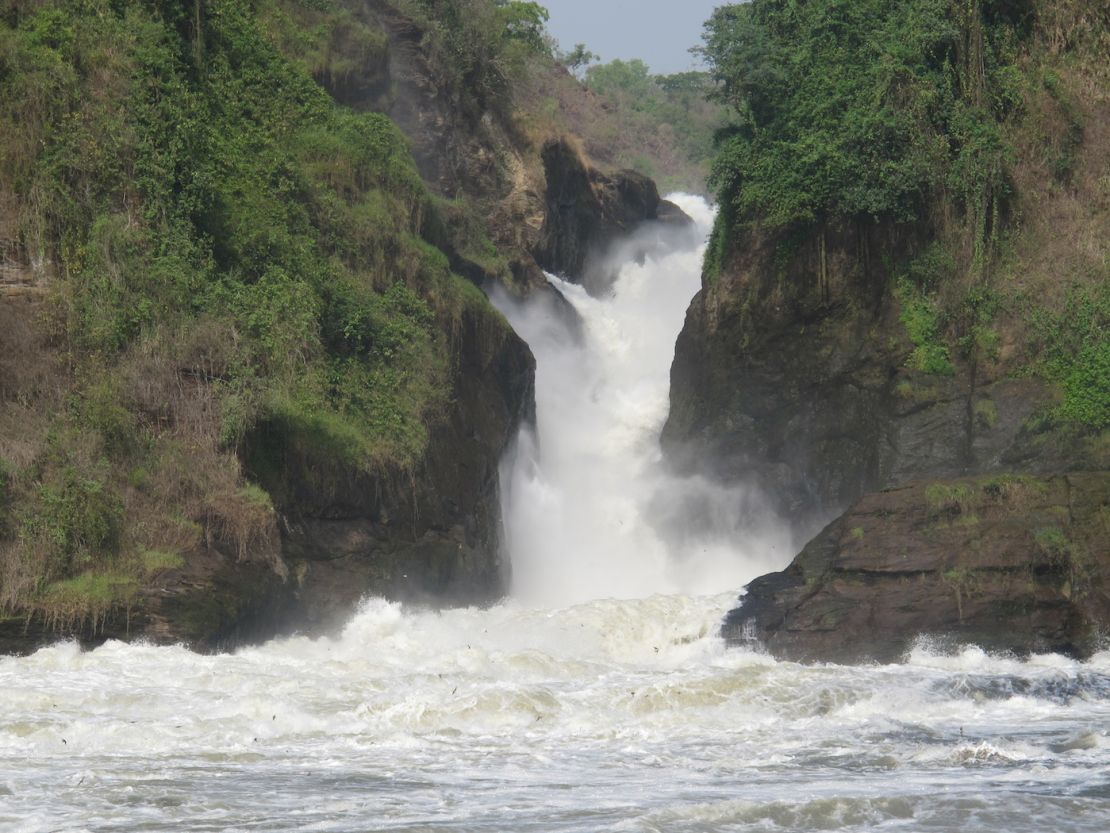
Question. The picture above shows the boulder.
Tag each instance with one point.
(1012, 563)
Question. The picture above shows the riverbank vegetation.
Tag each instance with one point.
(975, 130)
(205, 245)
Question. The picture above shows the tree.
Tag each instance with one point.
(578, 57)
(858, 109)
(618, 78)
(524, 22)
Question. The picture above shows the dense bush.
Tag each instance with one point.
(1073, 349)
(229, 249)
(861, 109)
(477, 46)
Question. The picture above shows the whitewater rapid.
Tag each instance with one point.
(622, 715)
(598, 697)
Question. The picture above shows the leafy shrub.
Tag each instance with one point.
(921, 318)
(1072, 347)
(157, 561)
(858, 109)
(78, 516)
(478, 46)
(1087, 387)
(88, 596)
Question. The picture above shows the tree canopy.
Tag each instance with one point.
(860, 108)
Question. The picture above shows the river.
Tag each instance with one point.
(597, 697)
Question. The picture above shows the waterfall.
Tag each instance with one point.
(591, 510)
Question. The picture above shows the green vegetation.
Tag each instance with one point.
(1052, 541)
(228, 250)
(985, 413)
(158, 561)
(578, 57)
(1073, 349)
(959, 502)
(675, 106)
(331, 41)
(943, 497)
(1063, 553)
(921, 318)
(88, 597)
(873, 113)
(958, 129)
(478, 47)
(862, 109)
(964, 583)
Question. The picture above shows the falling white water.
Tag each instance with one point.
(590, 509)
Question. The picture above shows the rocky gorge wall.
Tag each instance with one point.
(798, 379)
(914, 436)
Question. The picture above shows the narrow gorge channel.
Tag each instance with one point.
(598, 696)
(591, 510)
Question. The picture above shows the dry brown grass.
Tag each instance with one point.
(192, 491)
(31, 366)
(1064, 225)
(1075, 25)
(20, 572)
(180, 488)
(245, 522)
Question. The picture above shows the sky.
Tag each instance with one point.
(657, 31)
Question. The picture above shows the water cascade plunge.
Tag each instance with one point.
(590, 510)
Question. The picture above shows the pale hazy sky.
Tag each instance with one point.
(658, 31)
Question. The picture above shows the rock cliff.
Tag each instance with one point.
(541, 201)
(906, 379)
(1009, 563)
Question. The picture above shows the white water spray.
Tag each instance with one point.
(590, 509)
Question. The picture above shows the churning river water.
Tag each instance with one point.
(597, 697)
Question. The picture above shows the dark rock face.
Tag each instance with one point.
(777, 377)
(453, 150)
(792, 372)
(587, 211)
(431, 534)
(1009, 563)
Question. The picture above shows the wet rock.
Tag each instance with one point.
(587, 211)
(793, 371)
(1007, 562)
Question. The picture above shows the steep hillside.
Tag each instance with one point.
(240, 385)
(659, 125)
(909, 281)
